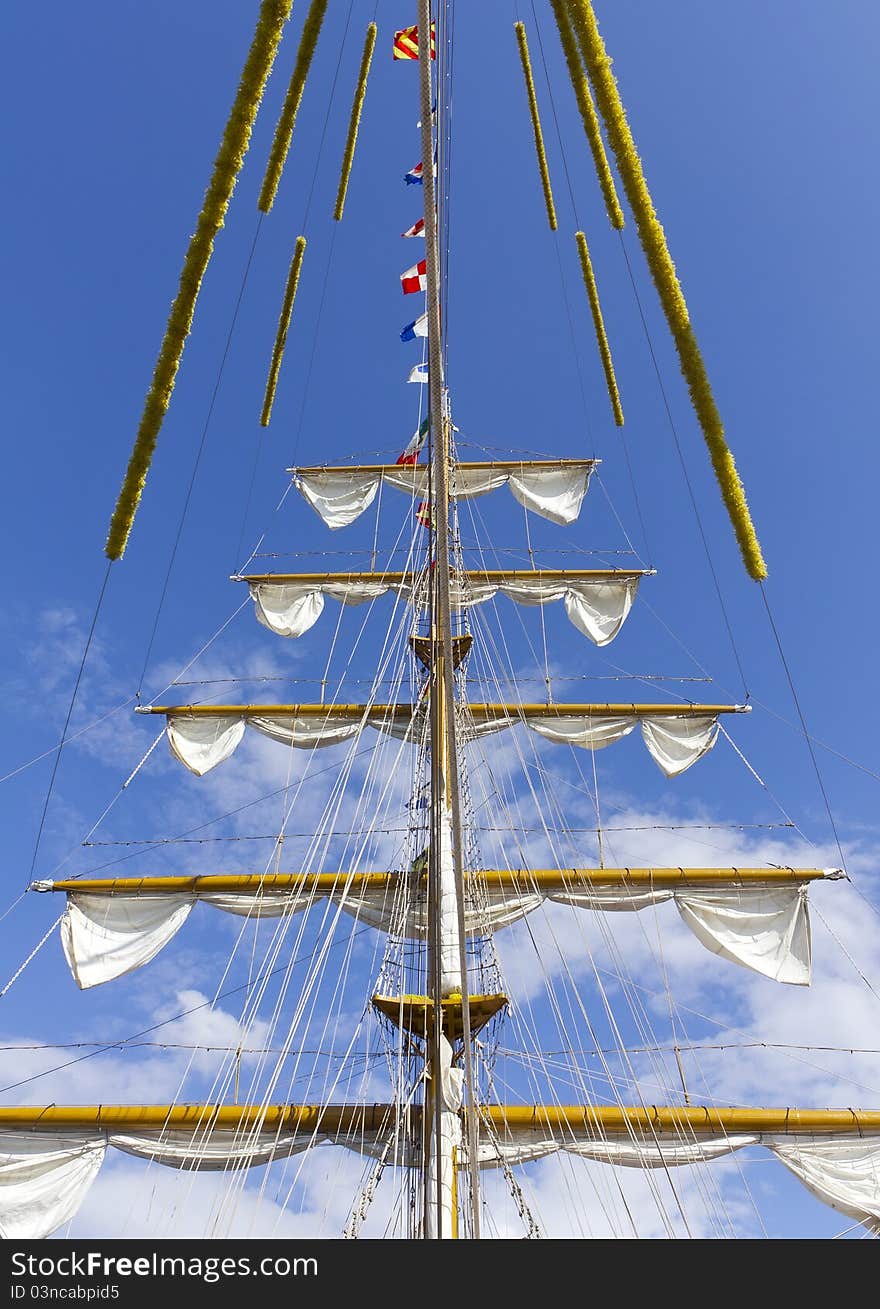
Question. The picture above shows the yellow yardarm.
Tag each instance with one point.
(653, 241)
(233, 148)
(601, 335)
(354, 120)
(283, 325)
(536, 123)
(284, 130)
(588, 114)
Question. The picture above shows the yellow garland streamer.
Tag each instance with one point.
(536, 123)
(587, 109)
(355, 120)
(663, 272)
(284, 129)
(598, 323)
(227, 165)
(283, 325)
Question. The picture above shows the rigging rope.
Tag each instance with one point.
(564, 282)
(258, 450)
(61, 743)
(33, 954)
(684, 469)
(653, 240)
(198, 459)
(803, 723)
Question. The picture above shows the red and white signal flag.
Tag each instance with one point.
(415, 278)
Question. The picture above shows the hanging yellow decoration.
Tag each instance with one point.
(284, 129)
(653, 241)
(227, 165)
(598, 323)
(536, 123)
(587, 109)
(283, 325)
(355, 120)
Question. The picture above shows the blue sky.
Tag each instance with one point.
(756, 125)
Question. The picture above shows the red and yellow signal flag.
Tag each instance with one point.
(406, 43)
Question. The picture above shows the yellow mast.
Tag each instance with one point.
(483, 712)
(399, 470)
(543, 879)
(473, 574)
(595, 1120)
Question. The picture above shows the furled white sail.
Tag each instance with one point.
(597, 608)
(442, 1156)
(107, 936)
(763, 927)
(292, 608)
(842, 1170)
(627, 1152)
(675, 742)
(43, 1180)
(44, 1176)
(340, 495)
(202, 742)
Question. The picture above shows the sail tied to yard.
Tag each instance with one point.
(752, 920)
(425, 749)
(676, 736)
(47, 1171)
(554, 489)
(596, 604)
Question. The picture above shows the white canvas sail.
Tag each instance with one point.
(553, 490)
(674, 741)
(45, 1176)
(764, 928)
(598, 608)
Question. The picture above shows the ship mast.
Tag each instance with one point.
(447, 974)
(753, 916)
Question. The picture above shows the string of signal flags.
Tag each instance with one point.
(415, 279)
(601, 109)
